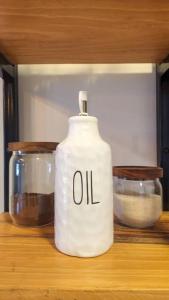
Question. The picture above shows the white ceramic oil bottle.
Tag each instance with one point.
(83, 188)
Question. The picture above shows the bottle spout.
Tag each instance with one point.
(83, 103)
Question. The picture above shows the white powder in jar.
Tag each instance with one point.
(137, 211)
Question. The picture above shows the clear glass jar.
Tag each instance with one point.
(137, 195)
(31, 183)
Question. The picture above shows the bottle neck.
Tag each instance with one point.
(83, 127)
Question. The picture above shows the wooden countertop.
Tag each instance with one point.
(31, 268)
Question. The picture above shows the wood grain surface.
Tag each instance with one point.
(90, 31)
(138, 172)
(31, 268)
(32, 146)
(158, 234)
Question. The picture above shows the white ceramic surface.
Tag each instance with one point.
(83, 191)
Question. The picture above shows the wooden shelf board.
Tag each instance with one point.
(158, 234)
(104, 31)
(31, 268)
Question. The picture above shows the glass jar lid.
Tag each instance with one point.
(138, 172)
(32, 146)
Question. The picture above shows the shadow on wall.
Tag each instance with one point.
(125, 105)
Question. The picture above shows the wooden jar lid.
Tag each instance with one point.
(32, 146)
(138, 172)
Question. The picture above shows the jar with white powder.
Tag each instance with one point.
(137, 195)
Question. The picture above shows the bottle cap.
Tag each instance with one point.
(83, 103)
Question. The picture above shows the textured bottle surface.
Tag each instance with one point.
(83, 194)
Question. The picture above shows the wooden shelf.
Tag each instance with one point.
(90, 31)
(31, 268)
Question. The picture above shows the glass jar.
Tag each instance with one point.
(137, 195)
(31, 183)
